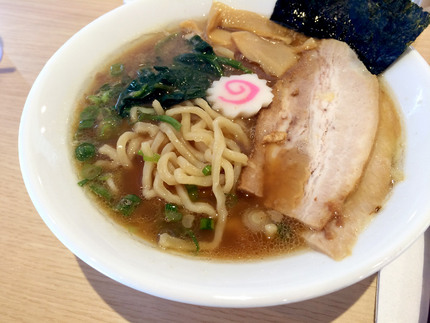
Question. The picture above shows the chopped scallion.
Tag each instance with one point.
(89, 113)
(193, 192)
(168, 119)
(171, 213)
(233, 63)
(100, 98)
(108, 127)
(104, 177)
(207, 224)
(128, 204)
(94, 99)
(105, 96)
(86, 124)
(105, 87)
(207, 170)
(116, 69)
(83, 182)
(90, 171)
(85, 151)
(153, 159)
(193, 237)
(101, 191)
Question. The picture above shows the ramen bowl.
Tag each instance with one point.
(50, 177)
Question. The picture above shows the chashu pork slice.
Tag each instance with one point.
(313, 142)
(340, 234)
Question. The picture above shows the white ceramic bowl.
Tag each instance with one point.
(49, 175)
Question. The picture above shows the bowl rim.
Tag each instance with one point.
(35, 140)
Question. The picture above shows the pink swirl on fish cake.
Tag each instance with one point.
(246, 91)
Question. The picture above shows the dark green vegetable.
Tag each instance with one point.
(232, 63)
(202, 51)
(101, 191)
(207, 224)
(128, 204)
(90, 171)
(164, 118)
(204, 58)
(108, 127)
(378, 30)
(106, 93)
(105, 87)
(231, 200)
(169, 85)
(193, 238)
(116, 69)
(187, 78)
(88, 117)
(86, 124)
(200, 46)
(171, 213)
(207, 170)
(89, 113)
(202, 62)
(154, 158)
(85, 151)
(83, 182)
(98, 99)
(193, 192)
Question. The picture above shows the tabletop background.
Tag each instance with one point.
(40, 280)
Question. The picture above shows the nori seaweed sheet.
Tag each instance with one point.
(378, 30)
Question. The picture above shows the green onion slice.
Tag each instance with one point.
(207, 224)
(100, 98)
(116, 69)
(89, 113)
(94, 99)
(153, 159)
(85, 151)
(101, 191)
(83, 182)
(163, 118)
(86, 124)
(90, 171)
(193, 238)
(193, 192)
(108, 127)
(233, 63)
(105, 96)
(207, 170)
(171, 213)
(105, 87)
(128, 204)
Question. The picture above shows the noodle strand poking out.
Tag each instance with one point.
(205, 138)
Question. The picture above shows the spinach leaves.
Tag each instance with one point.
(188, 77)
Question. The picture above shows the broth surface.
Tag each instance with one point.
(147, 221)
